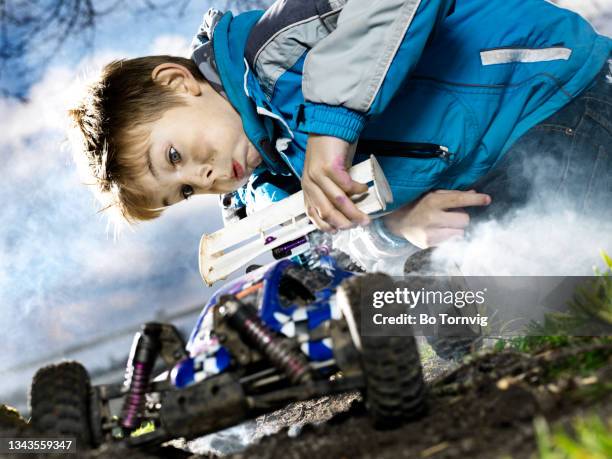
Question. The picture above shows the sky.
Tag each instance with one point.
(64, 278)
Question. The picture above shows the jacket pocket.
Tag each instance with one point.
(525, 55)
(413, 167)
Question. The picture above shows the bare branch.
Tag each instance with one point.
(33, 32)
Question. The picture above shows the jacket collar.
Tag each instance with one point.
(229, 41)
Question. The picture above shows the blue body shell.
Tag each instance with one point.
(207, 357)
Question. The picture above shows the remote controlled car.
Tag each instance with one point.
(281, 333)
(285, 332)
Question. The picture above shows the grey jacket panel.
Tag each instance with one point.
(336, 75)
(286, 30)
(279, 16)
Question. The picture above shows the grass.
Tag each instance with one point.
(591, 393)
(590, 437)
(589, 313)
(532, 344)
(426, 352)
(10, 417)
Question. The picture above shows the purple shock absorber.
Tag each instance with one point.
(285, 250)
(145, 349)
(244, 319)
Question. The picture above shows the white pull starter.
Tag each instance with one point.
(226, 250)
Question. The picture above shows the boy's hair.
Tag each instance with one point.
(106, 126)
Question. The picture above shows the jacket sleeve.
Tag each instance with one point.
(355, 71)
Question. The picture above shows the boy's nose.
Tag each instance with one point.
(207, 175)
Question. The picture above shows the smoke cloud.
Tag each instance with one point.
(560, 243)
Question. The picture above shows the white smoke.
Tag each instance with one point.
(549, 240)
(558, 243)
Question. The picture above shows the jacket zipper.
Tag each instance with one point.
(403, 149)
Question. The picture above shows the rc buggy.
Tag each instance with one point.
(284, 332)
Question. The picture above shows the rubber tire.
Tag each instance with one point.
(59, 402)
(454, 348)
(395, 388)
(446, 347)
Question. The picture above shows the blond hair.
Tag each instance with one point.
(107, 124)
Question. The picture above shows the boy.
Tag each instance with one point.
(440, 91)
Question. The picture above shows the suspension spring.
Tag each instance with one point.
(145, 348)
(243, 318)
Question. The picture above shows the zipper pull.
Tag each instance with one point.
(443, 153)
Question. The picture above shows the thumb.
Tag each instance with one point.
(344, 180)
(357, 188)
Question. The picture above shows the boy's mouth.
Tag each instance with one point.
(238, 170)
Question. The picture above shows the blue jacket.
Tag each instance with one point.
(438, 90)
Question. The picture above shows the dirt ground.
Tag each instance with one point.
(484, 408)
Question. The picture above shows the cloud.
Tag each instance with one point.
(48, 100)
(62, 272)
(63, 277)
(173, 45)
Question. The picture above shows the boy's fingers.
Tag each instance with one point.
(356, 188)
(326, 211)
(436, 236)
(314, 217)
(320, 224)
(453, 191)
(343, 203)
(344, 181)
(454, 219)
(456, 199)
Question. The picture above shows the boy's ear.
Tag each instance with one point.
(178, 77)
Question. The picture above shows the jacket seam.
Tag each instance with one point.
(465, 87)
(280, 71)
(535, 48)
(377, 80)
(299, 50)
(598, 99)
(289, 27)
(278, 32)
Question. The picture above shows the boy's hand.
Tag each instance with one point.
(327, 184)
(428, 221)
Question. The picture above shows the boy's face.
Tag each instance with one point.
(196, 148)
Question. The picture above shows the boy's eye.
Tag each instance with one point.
(173, 155)
(186, 191)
